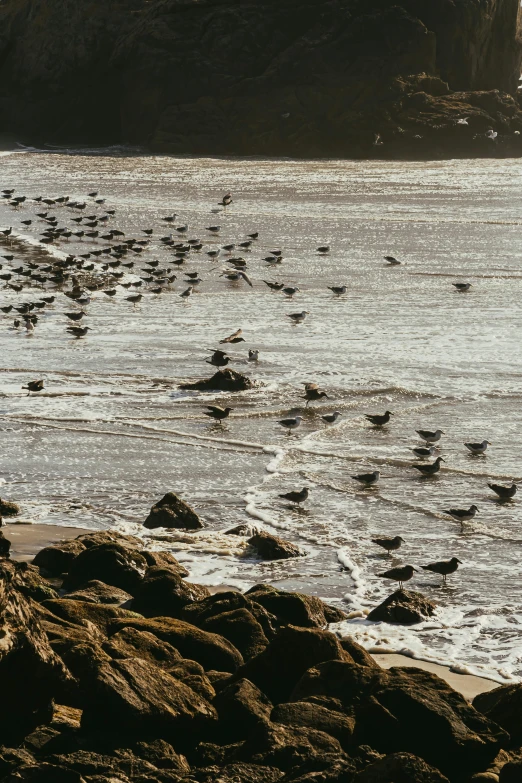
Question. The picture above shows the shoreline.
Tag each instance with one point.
(27, 539)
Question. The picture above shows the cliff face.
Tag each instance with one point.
(299, 77)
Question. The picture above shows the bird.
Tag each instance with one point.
(218, 359)
(423, 451)
(187, 292)
(429, 470)
(274, 286)
(313, 392)
(290, 424)
(462, 287)
(298, 318)
(78, 331)
(430, 437)
(217, 413)
(392, 261)
(323, 249)
(290, 290)
(226, 200)
(378, 420)
(331, 418)
(233, 338)
(491, 134)
(462, 121)
(478, 448)
(34, 386)
(369, 479)
(254, 235)
(505, 493)
(76, 316)
(389, 544)
(296, 496)
(253, 355)
(134, 298)
(461, 514)
(213, 229)
(443, 567)
(400, 575)
(338, 290)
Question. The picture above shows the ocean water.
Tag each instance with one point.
(112, 432)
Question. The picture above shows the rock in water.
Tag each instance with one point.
(270, 547)
(8, 508)
(404, 607)
(171, 511)
(223, 380)
(5, 545)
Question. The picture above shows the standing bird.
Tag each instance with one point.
(323, 249)
(298, 318)
(505, 493)
(430, 437)
(389, 544)
(338, 290)
(478, 448)
(274, 286)
(134, 298)
(34, 386)
(331, 418)
(399, 575)
(217, 413)
(423, 451)
(290, 424)
(226, 200)
(443, 567)
(187, 292)
(313, 393)
(297, 496)
(461, 514)
(253, 355)
(368, 479)
(462, 287)
(378, 420)
(78, 331)
(429, 470)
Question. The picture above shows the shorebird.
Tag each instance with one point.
(338, 290)
(298, 318)
(478, 448)
(461, 514)
(134, 298)
(392, 261)
(422, 451)
(78, 331)
(290, 290)
(218, 359)
(290, 424)
(400, 575)
(254, 235)
(389, 544)
(213, 229)
(253, 355)
(76, 316)
(234, 338)
(297, 496)
(429, 470)
(217, 413)
(430, 437)
(34, 386)
(323, 249)
(505, 493)
(274, 286)
(378, 420)
(226, 200)
(187, 292)
(369, 479)
(443, 567)
(312, 393)
(462, 287)
(331, 418)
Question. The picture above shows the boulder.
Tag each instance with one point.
(228, 601)
(208, 649)
(193, 675)
(63, 635)
(8, 508)
(112, 563)
(33, 585)
(287, 748)
(132, 698)
(289, 655)
(223, 380)
(101, 615)
(357, 653)
(316, 716)
(162, 755)
(405, 607)
(163, 593)
(97, 537)
(307, 611)
(31, 674)
(56, 559)
(238, 772)
(172, 512)
(504, 706)
(241, 628)
(45, 773)
(11, 758)
(164, 560)
(131, 643)
(408, 710)
(270, 547)
(96, 592)
(511, 772)
(240, 706)
(244, 529)
(400, 767)
(5, 544)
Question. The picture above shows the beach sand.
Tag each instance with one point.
(27, 540)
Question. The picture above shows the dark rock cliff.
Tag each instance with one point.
(353, 78)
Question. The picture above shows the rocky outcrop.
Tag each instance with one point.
(164, 593)
(8, 508)
(295, 608)
(172, 511)
(269, 547)
(302, 78)
(113, 563)
(223, 380)
(56, 559)
(404, 607)
(504, 706)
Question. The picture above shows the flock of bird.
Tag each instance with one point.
(102, 268)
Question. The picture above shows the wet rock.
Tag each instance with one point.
(63, 635)
(164, 560)
(101, 615)
(142, 700)
(316, 716)
(402, 767)
(287, 748)
(240, 706)
(163, 593)
(227, 601)
(172, 512)
(33, 585)
(241, 628)
(45, 773)
(357, 653)
(208, 649)
(295, 608)
(5, 544)
(223, 380)
(8, 508)
(504, 706)
(97, 537)
(408, 710)
(131, 643)
(11, 758)
(193, 675)
(96, 592)
(243, 530)
(270, 547)
(405, 607)
(238, 772)
(113, 563)
(162, 755)
(289, 655)
(56, 559)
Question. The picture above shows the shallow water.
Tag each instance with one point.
(112, 432)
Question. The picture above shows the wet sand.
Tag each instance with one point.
(27, 540)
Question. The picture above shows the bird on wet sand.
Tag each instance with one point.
(298, 318)
(134, 298)
(331, 418)
(217, 413)
(478, 448)
(462, 287)
(461, 514)
(504, 493)
(392, 261)
(290, 424)
(378, 420)
(338, 290)
(290, 290)
(226, 200)
(400, 575)
(313, 393)
(430, 437)
(76, 316)
(431, 469)
(424, 451)
(78, 331)
(323, 249)
(187, 292)
(389, 544)
(443, 567)
(297, 496)
(274, 286)
(233, 338)
(368, 479)
(34, 386)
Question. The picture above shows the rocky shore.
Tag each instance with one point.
(306, 78)
(115, 669)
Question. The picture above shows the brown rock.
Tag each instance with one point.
(5, 544)
(270, 547)
(131, 643)
(162, 755)
(316, 716)
(164, 560)
(403, 606)
(504, 706)
(240, 706)
(57, 558)
(163, 593)
(113, 563)
(287, 748)
(295, 608)
(101, 615)
(8, 508)
(96, 592)
(223, 380)
(357, 653)
(403, 767)
(241, 628)
(172, 512)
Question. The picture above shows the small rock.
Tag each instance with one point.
(270, 547)
(243, 530)
(172, 512)
(8, 508)
(404, 607)
(223, 380)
